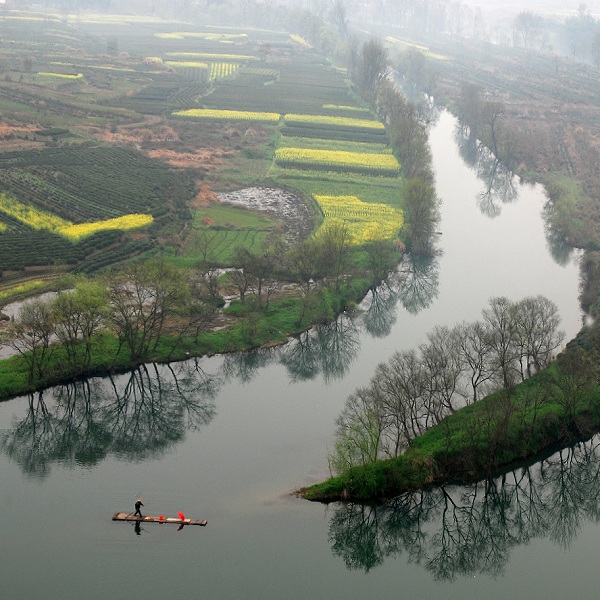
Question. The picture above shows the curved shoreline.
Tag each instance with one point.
(480, 440)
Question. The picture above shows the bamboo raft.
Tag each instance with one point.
(121, 516)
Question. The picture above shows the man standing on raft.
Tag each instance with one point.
(138, 504)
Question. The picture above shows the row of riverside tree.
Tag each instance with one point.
(458, 366)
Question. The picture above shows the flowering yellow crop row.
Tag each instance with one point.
(300, 40)
(218, 37)
(182, 63)
(222, 70)
(108, 68)
(333, 121)
(34, 218)
(107, 19)
(61, 75)
(28, 286)
(366, 221)
(39, 219)
(346, 108)
(228, 115)
(384, 164)
(213, 56)
(124, 223)
(422, 49)
(20, 18)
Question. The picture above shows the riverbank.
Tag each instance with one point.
(246, 330)
(551, 409)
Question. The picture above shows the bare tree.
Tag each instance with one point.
(359, 430)
(402, 389)
(537, 322)
(527, 26)
(500, 319)
(475, 348)
(142, 296)
(441, 359)
(31, 334)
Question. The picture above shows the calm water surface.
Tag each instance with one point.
(227, 439)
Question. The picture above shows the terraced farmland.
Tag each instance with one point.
(99, 135)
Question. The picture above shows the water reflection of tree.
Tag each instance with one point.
(380, 311)
(500, 188)
(467, 143)
(328, 349)
(556, 238)
(499, 182)
(137, 415)
(463, 531)
(418, 278)
(243, 366)
(499, 185)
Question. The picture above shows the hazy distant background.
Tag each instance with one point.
(568, 27)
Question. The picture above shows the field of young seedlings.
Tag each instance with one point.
(112, 133)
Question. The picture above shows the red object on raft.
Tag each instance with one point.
(121, 516)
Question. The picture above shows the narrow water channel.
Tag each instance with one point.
(227, 438)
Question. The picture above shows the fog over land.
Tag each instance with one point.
(564, 28)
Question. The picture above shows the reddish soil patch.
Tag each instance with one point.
(203, 159)
(12, 135)
(204, 197)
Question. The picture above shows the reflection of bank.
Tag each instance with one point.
(138, 415)
(464, 531)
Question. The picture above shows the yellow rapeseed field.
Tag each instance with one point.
(124, 223)
(344, 107)
(291, 118)
(39, 219)
(220, 70)
(60, 75)
(215, 37)
(211, 56)
(228, 115)
(375, 163)
(28, 286)
(33, 217)
(182, 63)
(366, 221)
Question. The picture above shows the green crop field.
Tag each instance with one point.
(82, 183)
(222, 228)
(101, 118)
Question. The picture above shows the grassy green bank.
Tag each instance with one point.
(551, 409)
(248, 330)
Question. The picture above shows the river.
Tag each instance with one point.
(228, 438)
